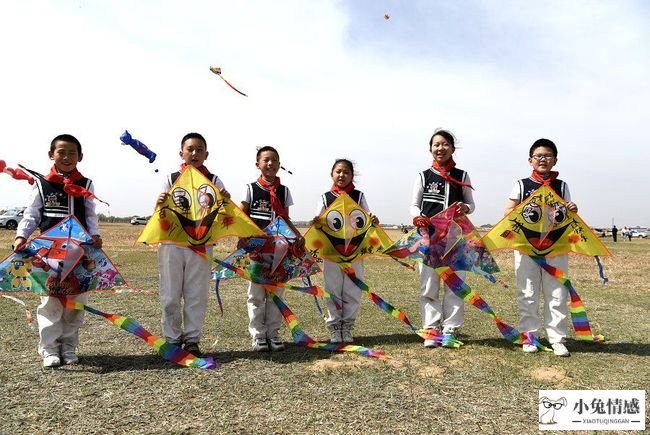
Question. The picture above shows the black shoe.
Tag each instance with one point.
(193, 348)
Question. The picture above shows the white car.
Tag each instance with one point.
(641, 234)
(10, 218)
(139, 220)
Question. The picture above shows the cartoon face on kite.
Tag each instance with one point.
(195, 213)
(543, 226)
(344, 233)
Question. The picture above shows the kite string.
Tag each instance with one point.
(28, 314)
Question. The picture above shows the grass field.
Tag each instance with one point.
(488, 386)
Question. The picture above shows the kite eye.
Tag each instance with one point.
(334, 220)
(181, 198)
(358, 219)
(560, 212)
(532, 213)
(207, 196)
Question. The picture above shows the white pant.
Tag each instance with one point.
(450, 314)
(58, 327)
(348, 294)
(265, 317)
(184, 275)
(531, 281)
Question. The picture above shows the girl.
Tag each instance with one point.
(266, 199)
(437, 188)
(341, 318)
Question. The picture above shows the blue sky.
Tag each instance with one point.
(330, 79)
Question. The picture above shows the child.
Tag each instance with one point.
(265, 199)
(437, 188)
(184, 271)
(341, 318)
(531, 279)
(49, 204)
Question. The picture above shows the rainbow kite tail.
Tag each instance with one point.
(168, 351)
(576, 308)
(301, 338)
(464, 291)
(377, 300)
(232, 87)
(530, 338)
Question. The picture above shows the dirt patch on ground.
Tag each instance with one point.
(549, 374)
(335, 364)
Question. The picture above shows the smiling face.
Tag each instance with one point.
(268, 163)
(542, 161)
(65, 156)
(342, 175)
(441, 149)
(194, 152)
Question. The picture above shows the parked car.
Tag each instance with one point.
(139, 220)
(641, 234)
(10, 218)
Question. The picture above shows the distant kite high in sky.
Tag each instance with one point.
(217, 71)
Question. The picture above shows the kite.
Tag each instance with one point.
(137, 145)
(386, 17)
(450, 243)
(195, 214)
(16, 173)
(542, 226)
(217, 71)
(344, 233)
(62, 262)
(272, 260)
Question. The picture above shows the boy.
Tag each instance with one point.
(50, 203)
(531, 279)
(265, 199)
(184, 272)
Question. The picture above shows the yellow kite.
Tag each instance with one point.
(196, 213)
(542, 226)
(345, 233)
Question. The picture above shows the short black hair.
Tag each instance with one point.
(547, 143)
(65, 138)
(444, 133)
(344, 161)
(194, 136)
(266, 148)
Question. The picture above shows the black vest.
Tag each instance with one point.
(527, 186)
(438, 193)
(57, 204)
(329, 197)
(260, 210)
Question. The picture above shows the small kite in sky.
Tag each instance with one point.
(386, 17)
(141, 148)
(217, 71)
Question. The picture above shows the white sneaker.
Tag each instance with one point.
(51, 360)
(559, 349)
(430, 343)
(529, 348)
(276, 343)
(260, 345)
(70, 357)
(346, 336)
(448, 335)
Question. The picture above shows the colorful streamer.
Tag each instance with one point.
(168, 351)
(577, 309)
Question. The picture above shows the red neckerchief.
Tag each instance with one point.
(276, 204)
(551, 176)
(202, 169)
(68, 187)
(444, 172)
(336, 189)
